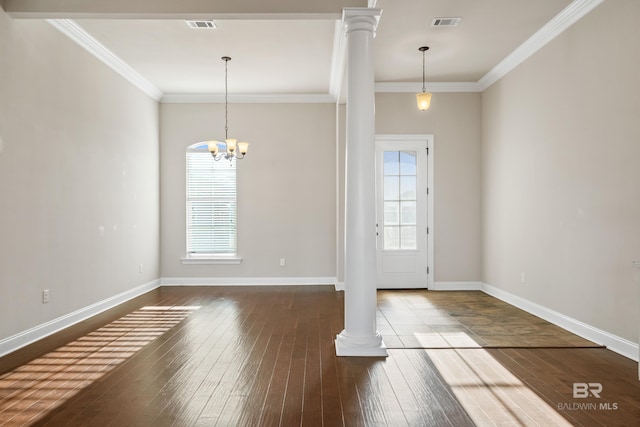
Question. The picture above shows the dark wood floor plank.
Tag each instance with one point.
(620, 390)
(412, 404)
(312, 388)
(236, 371)
(433, 397)
(351, 403)
(545, 379)
(330, 316)
(293, 394)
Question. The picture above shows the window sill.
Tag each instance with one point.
(211, 259)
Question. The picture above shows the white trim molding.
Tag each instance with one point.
(337, 62)
(275, 98)
(612, 342)
(69, 28)
(456, 286)
(435, 87)
(429, 138)
(39, 332)
(571, 14)
(220, 260)
(246, 281)
(575, 11)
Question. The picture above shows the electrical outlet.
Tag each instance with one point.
(523, 278)
(140, 268)
(282, 262)
(45, 296)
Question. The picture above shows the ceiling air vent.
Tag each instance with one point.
(445, 22)
(202, 24)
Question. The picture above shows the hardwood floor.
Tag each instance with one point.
(249, 356)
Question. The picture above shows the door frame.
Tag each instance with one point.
(430, 195)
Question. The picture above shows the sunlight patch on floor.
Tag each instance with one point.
(31, 391)
(491, 394)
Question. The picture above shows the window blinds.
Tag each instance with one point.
(211, 205)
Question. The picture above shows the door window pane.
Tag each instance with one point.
(407, 162)
(391, 238)
(408, 213)
(400, 200)
(391, 162)
(391, 213)
(408, 238)
(391, 188)
(407, 187)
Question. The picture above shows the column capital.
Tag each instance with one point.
(360, 19)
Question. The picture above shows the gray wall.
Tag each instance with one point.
(561, 173)
(286, 187)
(78, 178)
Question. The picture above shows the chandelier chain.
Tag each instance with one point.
(424, 89)
(226, 101)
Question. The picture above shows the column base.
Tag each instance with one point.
(372, 346)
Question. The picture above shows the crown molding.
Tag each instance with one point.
(337, 61)
(413, 87)
(76, 33)
(571, 14)
(294, 98)
(567, 17)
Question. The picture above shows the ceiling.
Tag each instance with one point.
(304, 56)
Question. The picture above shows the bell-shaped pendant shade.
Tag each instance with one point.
(243, 147)
(424, 100)
(213, 147)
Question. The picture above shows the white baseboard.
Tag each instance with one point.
(339, 286)
(36, 333)
(456, 286)
(612, 342)
(246, 281)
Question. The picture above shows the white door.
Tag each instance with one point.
(402, 212)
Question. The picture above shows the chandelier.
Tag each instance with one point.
(229, 149)
(424, 97)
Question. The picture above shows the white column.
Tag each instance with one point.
(360, 336)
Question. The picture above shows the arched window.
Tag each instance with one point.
(211, 205)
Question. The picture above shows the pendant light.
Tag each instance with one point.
(424, 97)
(231, 148)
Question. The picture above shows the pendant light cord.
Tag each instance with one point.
(226, 101)
(424, 89)
(423, 49)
